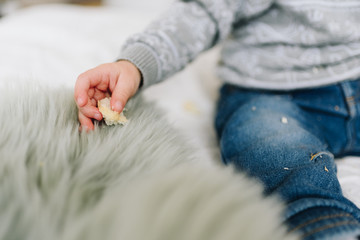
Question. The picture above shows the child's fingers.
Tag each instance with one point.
(84, 83)
(124, 89)
(85, 122)
(100, 94)
(81, 92)
(91, 112)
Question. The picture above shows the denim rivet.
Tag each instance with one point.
(337, 108)
(284, 120)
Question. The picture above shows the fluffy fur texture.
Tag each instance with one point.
(138, 181)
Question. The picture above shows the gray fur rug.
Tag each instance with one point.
(140, 181)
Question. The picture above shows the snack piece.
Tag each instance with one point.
(111, 117)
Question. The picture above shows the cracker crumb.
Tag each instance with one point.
(111, 117)
(191, 107)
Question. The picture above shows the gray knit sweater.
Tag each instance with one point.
(269, 44)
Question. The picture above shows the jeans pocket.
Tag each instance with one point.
(324, 100)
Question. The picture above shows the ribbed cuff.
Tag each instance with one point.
(145, 60)
(324, 223)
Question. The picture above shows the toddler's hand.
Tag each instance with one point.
(120, 79)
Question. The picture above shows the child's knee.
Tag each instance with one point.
(267, 140)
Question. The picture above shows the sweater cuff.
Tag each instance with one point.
(144, 59)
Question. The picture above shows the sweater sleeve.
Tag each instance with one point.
(173, 40)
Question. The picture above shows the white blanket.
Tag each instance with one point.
(53, 44)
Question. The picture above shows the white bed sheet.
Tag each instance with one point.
(53, 44)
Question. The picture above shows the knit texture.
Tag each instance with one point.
(284, 44)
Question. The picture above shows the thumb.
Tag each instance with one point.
(125, 88)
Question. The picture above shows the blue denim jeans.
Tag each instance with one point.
(289, 140)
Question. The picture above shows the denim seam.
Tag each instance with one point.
(319, 219)
(350, 102)
(331, 226)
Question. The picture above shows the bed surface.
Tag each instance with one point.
(53, 44)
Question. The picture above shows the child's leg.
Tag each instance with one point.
(273, 139)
